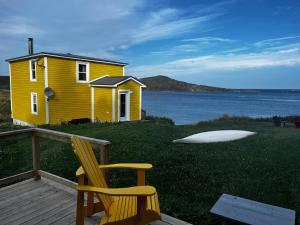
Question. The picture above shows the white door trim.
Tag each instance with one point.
(127, 112)
(113, 110)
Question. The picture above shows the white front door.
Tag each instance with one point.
(124, 106)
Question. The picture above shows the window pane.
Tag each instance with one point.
(82, 68)
(34, 103)
(33, 74)
(32, 65)
(82, 76)
(34, 108)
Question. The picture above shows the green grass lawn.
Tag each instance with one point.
(189, 178)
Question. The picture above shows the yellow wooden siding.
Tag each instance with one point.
(103, 104)
(21, 92)
(98, 70)
(134, 99)
(73, 100)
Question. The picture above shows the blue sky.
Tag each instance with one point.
(229, 43)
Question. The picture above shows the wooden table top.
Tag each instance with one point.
(246, 211)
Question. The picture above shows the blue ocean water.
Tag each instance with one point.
(188, 107)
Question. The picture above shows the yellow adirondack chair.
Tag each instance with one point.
(136, 205)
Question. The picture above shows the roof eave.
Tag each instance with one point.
(42, 54)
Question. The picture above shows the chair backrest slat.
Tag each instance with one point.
(86, 156)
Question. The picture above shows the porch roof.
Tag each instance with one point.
(113, 81)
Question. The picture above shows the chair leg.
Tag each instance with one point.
(80, 208)
(90, 203)
(80, 203)
(141, 206)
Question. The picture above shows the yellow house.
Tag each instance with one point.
(51, 88)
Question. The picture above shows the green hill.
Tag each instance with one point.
(164, 83)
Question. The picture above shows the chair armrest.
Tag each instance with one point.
(137, 166)
(131, 191)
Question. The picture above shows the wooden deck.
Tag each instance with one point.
(38, 197)
(45, 202)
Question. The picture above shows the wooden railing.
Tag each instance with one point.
(38, 133)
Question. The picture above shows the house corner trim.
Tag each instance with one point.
(140, 108)
(46, 85)
(93, 104)
(10, 93)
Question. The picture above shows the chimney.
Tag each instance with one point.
(30, 46)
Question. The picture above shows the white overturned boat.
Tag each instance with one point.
(215, 136)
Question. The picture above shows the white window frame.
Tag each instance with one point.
(87, 72)
(32, 103)
(30, 70)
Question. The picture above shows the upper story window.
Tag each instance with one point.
(32, 69)
(82, 70)
(34, 104)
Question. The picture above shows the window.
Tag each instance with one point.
(34, 105)
(82, 72)
(32, 69)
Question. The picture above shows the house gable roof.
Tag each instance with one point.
(108, 81)
(67, 56)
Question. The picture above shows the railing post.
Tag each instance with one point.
(36, 156)
(104, 159)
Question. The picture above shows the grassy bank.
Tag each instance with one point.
(189, 178)
(4, 106)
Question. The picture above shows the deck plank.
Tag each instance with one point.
(24, 196)
(25, 203)
(21, 188)
(46, 202)
(21, 215)
(51, 214)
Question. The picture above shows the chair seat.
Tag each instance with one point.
(123, 210)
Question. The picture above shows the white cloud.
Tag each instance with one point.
(235, 50)
(101, 28)
(171, 22)
(194, 45)
(291, 50)
(284, 46)
(103, 54)
(213, 63)
(166, 23)
(186, 48)
(210, 39)
(274, 41)
(18, 26)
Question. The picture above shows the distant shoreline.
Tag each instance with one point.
(230, 91)
(166, 84)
